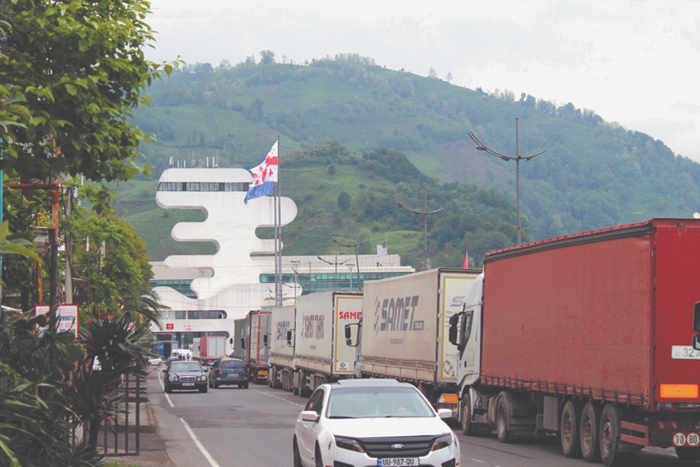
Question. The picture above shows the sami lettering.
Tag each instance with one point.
(350, 315)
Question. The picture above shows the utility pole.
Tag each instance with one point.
(335, 263)
(517, 158)
(357, 259)
(425, 213)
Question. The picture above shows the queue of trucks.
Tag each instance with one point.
(590, 337)
(593, 337)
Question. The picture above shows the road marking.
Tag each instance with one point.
(199, 445)
(279, 398)
(166, 395)
(479, 461)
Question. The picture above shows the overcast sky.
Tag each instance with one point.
(632, 62)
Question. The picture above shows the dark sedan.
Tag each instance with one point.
(228, 371)
(184, 375)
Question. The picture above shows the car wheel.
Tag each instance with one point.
(168, 389)
(319, 460)
(216, 385)
(297, 456)
(245, 386)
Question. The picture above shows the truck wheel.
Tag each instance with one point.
(467, 428)
(570, 423)
(271, 378)
(610, 435)
(295, 384)
(588, 432)
(502, 421)
(685, 453)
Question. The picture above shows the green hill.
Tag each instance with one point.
(594, 173)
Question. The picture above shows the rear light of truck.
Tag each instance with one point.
(679, 391)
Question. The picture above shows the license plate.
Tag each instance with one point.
(391, 461)
(188, 384)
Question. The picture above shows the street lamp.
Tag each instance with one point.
(517, 158)
(425, 214)
(357, 259)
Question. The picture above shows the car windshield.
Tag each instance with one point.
(377, 403)
(232, 364)
(185, 366)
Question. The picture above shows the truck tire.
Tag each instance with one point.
(609, 434)
(588, 432)
(685, 453)
(295, 384)
(502, 411)
(568, 429)
(466, 414)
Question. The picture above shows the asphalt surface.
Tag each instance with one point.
(231, 427)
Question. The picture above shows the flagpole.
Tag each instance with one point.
(279, 224)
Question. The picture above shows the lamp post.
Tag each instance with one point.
(517, 158)
(336, 263)
(425, 214)
(357, 259)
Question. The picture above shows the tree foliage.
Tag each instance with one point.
(80, 66)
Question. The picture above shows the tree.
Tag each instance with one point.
(82, 71)
(448, 78)
(267, 57)
(432, 73)
(344, 200)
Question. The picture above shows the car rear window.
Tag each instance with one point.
(232, 364)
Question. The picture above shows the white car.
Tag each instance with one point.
(155, 361)
(365, 422)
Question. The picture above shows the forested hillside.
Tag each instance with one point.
(593, 174)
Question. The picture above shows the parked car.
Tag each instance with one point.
(372, 422)
(184, 375)
(155, 361)
(228, 371)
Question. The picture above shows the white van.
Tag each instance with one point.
(186, 354)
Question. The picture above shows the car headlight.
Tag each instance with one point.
(442, 442)
(172, 378)
(348, 443)
(202, 378)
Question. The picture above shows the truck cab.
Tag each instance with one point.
(465, 333)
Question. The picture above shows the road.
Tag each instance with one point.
(231, 427)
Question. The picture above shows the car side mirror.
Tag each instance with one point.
(444, 413)
(311, 416)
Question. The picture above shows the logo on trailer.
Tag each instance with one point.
(396, 314)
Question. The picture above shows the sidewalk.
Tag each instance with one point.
(152, 452)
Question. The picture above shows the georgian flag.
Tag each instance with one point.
(264, 176)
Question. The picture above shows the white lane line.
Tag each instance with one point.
(166, 396)
(199, 445)
(279, 398)
(479, 461)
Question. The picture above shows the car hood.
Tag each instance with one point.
(387, 427)
(187, 373)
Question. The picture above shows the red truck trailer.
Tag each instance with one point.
(589, 336)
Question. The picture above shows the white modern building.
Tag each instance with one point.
(206, 293)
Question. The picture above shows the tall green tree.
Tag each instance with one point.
(80, 66)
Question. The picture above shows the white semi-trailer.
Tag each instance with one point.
(405, 328)
(281, 374)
